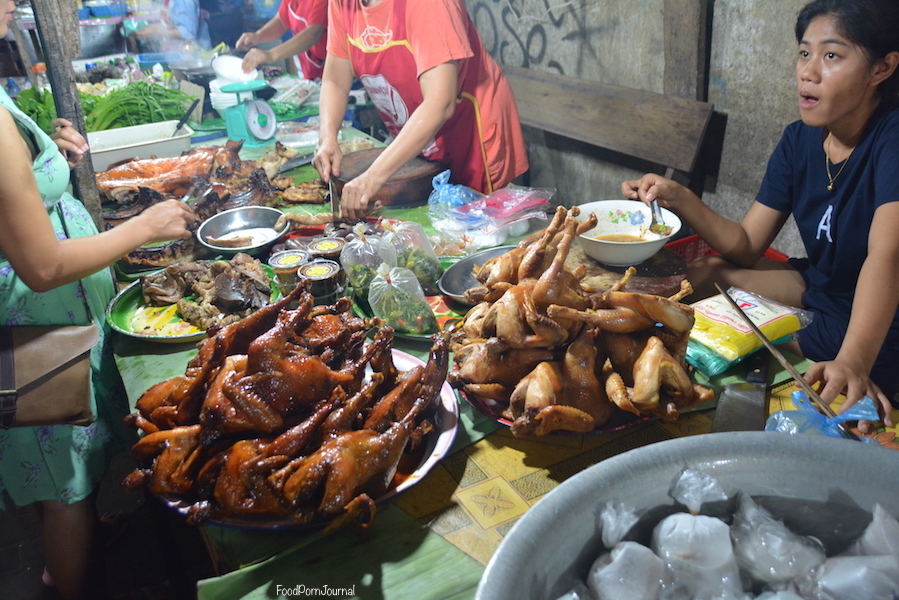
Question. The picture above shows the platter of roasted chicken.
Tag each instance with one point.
(289, 417)
(543, 354)
(179, 303)
(211, 179)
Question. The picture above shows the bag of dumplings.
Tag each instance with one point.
(361, 257)
(396, 297)
(414, 252)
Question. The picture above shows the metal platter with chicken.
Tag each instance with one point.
(288, 417)
(542, 354)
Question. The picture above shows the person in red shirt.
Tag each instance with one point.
(436, 88)
(308, 20)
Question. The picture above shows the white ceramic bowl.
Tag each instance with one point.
(256, 222)
(624, 217)
(823, 486)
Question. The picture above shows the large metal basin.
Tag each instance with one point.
(833, 485)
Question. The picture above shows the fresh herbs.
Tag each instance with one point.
(38, 104)
(137, 103)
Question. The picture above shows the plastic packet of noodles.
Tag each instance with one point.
(720, 338)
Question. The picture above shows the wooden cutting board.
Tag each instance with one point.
(661, 274)
(411, 184)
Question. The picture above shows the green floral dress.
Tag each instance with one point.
(62, 463)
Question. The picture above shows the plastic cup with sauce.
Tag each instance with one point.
(325, 277)
(285, 265)
(327, 248)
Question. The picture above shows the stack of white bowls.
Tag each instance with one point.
(228, 70)
(221, 100)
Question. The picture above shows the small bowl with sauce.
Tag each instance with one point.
(249, 229)
(622, 237)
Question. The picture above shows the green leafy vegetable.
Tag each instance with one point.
(38, 104)
(137, 103)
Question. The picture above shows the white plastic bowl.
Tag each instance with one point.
(229, 67)
(624, 217)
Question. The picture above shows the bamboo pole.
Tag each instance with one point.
(60, 34)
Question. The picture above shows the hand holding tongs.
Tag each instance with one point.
(813, 396)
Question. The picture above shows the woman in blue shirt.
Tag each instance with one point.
(837, 172)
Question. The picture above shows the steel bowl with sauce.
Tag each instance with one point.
(622, 237)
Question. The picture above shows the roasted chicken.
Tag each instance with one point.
(286, 414)
(561, 357)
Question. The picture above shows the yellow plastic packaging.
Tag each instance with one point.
(721, 329)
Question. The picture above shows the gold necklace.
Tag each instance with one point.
(833, 178)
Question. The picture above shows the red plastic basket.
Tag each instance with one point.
(692, 247)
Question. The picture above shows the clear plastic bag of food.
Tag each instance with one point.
(414, 252)
(720, 338)
(396, 297)
(362, 256)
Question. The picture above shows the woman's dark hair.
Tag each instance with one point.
(872, 25)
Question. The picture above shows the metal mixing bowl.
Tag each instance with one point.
(235, 220)
(831, 485)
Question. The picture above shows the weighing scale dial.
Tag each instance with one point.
(253, 121)
(261, 120)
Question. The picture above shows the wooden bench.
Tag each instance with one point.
(663, 130)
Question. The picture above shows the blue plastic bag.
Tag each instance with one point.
(447, 196)
(808, 420)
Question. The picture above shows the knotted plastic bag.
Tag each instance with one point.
(808, 420)
(396, 297)
(361, 257)
(414, 252)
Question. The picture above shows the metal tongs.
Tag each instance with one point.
(819, 403)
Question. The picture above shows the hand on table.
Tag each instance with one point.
(841, 377)
(69, 141)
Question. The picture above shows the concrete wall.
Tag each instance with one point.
(752, 55)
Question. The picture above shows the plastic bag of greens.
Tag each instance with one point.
(396, 297)
(414, 252)
(361, 257)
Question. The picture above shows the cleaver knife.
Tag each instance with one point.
(743, 406)
(296, 162)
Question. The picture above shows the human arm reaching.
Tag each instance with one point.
(43, 261)
(298, 44)
(873, 309)
(439, 88)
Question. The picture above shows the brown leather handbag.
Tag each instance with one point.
(45, 375)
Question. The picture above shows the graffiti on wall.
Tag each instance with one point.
(551, 34)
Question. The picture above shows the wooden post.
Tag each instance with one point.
(23, 53)
(686, 53)
(57, 25)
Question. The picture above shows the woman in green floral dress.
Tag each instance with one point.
(53, 268)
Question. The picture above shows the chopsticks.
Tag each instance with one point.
(820, 404)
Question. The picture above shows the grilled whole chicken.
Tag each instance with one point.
(286, 414)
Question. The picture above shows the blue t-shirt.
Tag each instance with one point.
(834, 226)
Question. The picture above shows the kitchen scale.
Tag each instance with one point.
(251, 120)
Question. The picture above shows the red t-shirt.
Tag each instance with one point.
(392, 43)
(300, 14)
